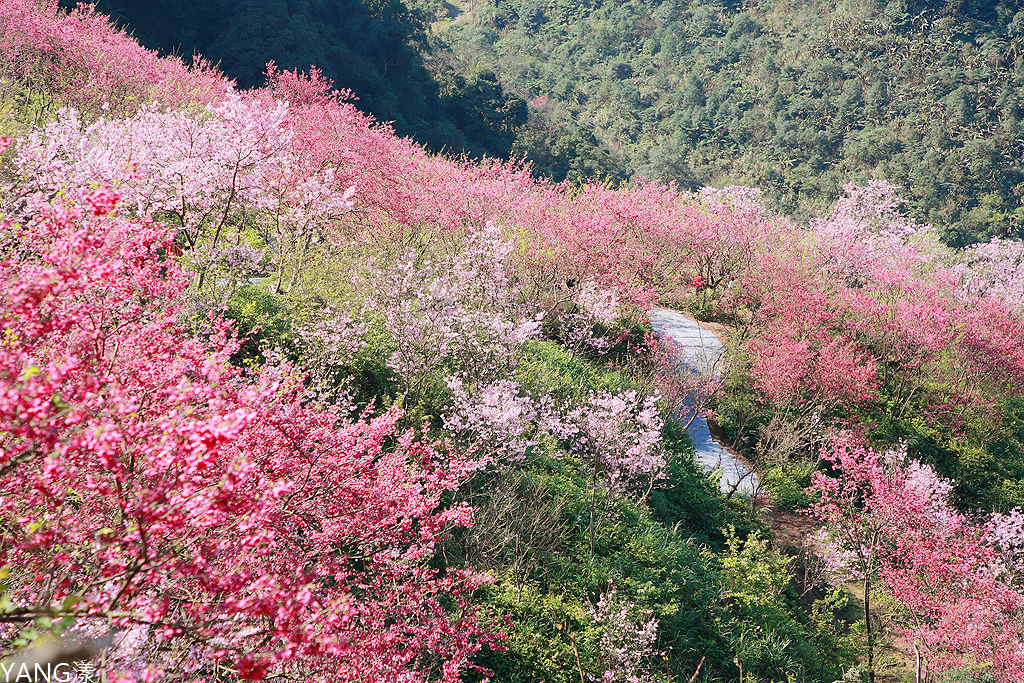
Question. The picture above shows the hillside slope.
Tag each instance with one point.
(375, 49)
(285, 396)
(797, 97)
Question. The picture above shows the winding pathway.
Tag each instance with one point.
(701, 352)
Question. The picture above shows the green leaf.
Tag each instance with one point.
(64, 624)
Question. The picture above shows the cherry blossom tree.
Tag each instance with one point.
(628, 637)
(217, 177)
(854, 535)
(452, 314)
(888, 522)
(148, 487)
(499, 420)
(617, 438)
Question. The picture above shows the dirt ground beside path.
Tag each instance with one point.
(791, 528)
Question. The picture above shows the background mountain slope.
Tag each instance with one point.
(797, 97)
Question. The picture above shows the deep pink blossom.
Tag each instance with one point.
(145, 485)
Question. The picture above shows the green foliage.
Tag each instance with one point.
(22, 107)
(789, 485)
(794, 98)
(263, 320)
(486, 116)
(547, 366)
(540, 642)
(566, 152)
(753, 572)
(689, 500)
(969, 675)
(772, 637)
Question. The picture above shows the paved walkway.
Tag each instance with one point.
(701, 351)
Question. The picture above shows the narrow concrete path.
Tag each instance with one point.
(701, 352)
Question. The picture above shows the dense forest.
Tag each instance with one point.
(286, 394)
(796, 98)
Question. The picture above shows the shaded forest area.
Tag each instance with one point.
(372, 47)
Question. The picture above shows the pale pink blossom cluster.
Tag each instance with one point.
(499, 417)
(866, 231)
(993, 269)
(601, 304)
(586, 326)
(628, 638)
(746, 200)
(239, 166)
(1007, 535)
(618, 436)
(331, 339)
(453, 311)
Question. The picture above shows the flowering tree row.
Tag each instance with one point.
(79, 59)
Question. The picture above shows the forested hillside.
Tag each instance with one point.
(286, 396)
(796, 97)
